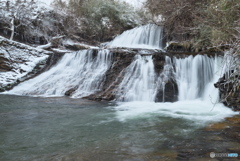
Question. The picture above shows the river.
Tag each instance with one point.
(61, 128)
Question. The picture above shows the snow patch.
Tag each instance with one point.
(21, 58)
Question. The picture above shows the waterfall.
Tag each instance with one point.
(148, 36)
(139, 80)
(83, 72)
(141, 83)
(196, 75)
(165, 76)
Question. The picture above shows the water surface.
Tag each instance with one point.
(75, 129)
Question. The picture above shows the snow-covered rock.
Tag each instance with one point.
(135, 3)
(69, 44)
(17, 61)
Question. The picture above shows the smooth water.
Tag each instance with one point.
(83, 71)
(148, 37)
(196, 75)
(139, 83)
(75, 129)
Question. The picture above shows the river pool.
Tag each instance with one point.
(62, 128)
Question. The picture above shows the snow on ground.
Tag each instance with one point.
(78, 45)
(135, 3)
(47, 2)
(20, 58)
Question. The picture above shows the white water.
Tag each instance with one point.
(197, 111)
(148, 36)
(139, 81)
(198, 97)
(165, 75)
(195, 77)
(81, 70)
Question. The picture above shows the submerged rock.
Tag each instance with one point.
(70, 91)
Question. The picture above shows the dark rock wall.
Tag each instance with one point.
(5, 64)
(114, 75)
(229, 91)
(170, 91)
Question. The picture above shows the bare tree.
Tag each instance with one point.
(17, 15)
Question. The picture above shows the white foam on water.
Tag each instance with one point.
(198, 111)
(198, 98)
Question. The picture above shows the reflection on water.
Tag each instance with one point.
(76, 129)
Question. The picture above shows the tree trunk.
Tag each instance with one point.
(12, 29)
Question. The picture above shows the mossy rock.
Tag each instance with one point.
(184, 46)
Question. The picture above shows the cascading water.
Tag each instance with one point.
(138, 86)
(82, 71)
(195, 77)
(148, 36)
(194, 74)
(165, 76)
(139, 81)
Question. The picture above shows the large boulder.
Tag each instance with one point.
(229, 90)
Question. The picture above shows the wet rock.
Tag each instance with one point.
(55, 41)
(5, 64)
(234, 147)
(169, 93)
(167, 155)
(215, 138)
(229, 90)
(159, 61)
(121, 60)
(188, 48)
(185, 46)
(70, 91)
(217, 126)
(76, 46)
